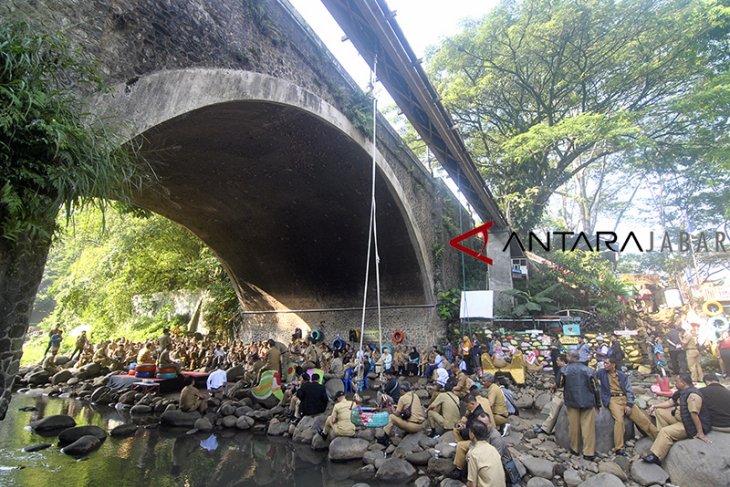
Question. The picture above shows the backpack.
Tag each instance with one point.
(511, 406)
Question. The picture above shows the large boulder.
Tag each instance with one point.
(123, 430)
(38, 377)
(694, 463)
(343, 449)
(277, 428)
(89, 371)
(244, 422)
(204, 425)
(101, 395)
(55, 422)
(307, 428)
(61, 377)
(395, 470)
(604, 430)
(82, 446)
(70, 435)
(140, 409)
(603, 479)
(538, 467)
(179, 418)
(647, 473)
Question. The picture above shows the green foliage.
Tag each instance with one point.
(531, 304)
(52, 153)
(113, 270)
(544, 90)
(449, 304)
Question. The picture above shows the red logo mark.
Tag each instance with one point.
(484, 231)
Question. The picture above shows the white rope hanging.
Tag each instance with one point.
(373, 227)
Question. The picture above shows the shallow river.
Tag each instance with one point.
(156, 457)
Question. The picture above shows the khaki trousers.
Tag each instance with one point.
(693, 364)
(555, 404)
(664, 417)
(437, 422)
(667, 434)
(462, 448)
(582, 424)
(617, 406)
(407, 426)
(499, 420)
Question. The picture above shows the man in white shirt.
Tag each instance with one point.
(217, 381)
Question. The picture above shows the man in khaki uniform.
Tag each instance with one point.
(618, 397)
(582, 399)
(691, 419)
(484, 462)
(496, 399)
(691, 345)
(339, 423)
(443, 412)
(461, 388)
(273, 358)
(417, 420)
(475, 405)
(191, 399)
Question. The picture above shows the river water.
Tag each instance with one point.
(158, 457)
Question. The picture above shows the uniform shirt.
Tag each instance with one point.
(145, 356)
(337, 368)
(461, 388)
(217, 379)
(694, 404)
(273, 359)
(418, 414)
(497, 400)
(342, 418)
(485, 466)
(164, 341)
(614, 384)
(447, 403)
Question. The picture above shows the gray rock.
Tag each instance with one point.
(235, 373)
(613, 468)
(243, 411)
(319, 443)
(422, 481)
(342, 449)
(642, 446)
(444, 445)
(127, 429)
(277, 428)
(89, 371)
(451, 483)
(307, 428)
(70, 435)
(602, 480)
(82, 446)
(55, 422)
(694, 463)
(572, 478)
(541, 400)
(525, 401)
(648, 473)
(539, 482)
(369, 457)
(419, 458)
(244, 422)
(368, 434)
(604, 430)
(440, 466)
(395, 470)
(140, 409)
(61, 377)
(179, 418)
(203, 424)
(410, 443)
(229, 421)
(538, 467)
(365, 473)
(127, 397)
(38, 377)
(227, 410)
(38, 447)
(100, 394)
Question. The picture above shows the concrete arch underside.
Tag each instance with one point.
(277, 183)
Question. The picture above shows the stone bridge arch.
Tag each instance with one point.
(277, 182)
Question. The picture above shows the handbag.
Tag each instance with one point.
(406, 412)
(512, 474)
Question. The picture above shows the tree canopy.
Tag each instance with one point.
(548, 91)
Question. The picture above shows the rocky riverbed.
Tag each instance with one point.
(412, 459)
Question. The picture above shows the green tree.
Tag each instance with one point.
(544, 90)
(52, 155)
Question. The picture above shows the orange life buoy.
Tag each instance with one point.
(398, 336)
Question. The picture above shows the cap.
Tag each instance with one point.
(599, 337)
(339, 394)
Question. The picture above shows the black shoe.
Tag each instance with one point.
(621, 452)
(590, 458)
(573, 452)
(539, 430)
(384, 440)
(322, 433)
(651, 458)
(454, 474)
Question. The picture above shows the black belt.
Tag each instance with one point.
(617, 395)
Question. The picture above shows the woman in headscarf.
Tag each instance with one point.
(414, 360)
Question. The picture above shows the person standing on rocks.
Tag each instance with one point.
(408, 415)
(690, 420)
(676, 351)
(691, 344)
(584, 351)
(484, 461)
(55, 330)
(443, 412)
(80, 344)
(191, 399)
(618, 397)
(582, 401)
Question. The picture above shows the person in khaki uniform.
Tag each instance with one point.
(339, 423)
(484, 461)
(475, 406)
(618, 397)
(461, 389)
(582, 399)
(691, 346)
(443, 412)
(191, 398)
(273, 358)
(691, 419)
(415, 422)
(496, 398)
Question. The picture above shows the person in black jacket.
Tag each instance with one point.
(717, 400)
(313, 396)
(582, 400)
(690, 420)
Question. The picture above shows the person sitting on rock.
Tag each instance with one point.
(408, 415)
(339, 422)
(443, 411)
(484, 463)
(690, 420)
(512, 475)
(273, 358)
(337, 367)
(164, 361)
(87, 356)
(618, 397)
(191, 399)
(217, 381)
(49, 364)
(313, 396)
(145, 355)
(100, 355)
(389, 393)
(475, 405)
(717, 399)
(497, 401)
(462, 386)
